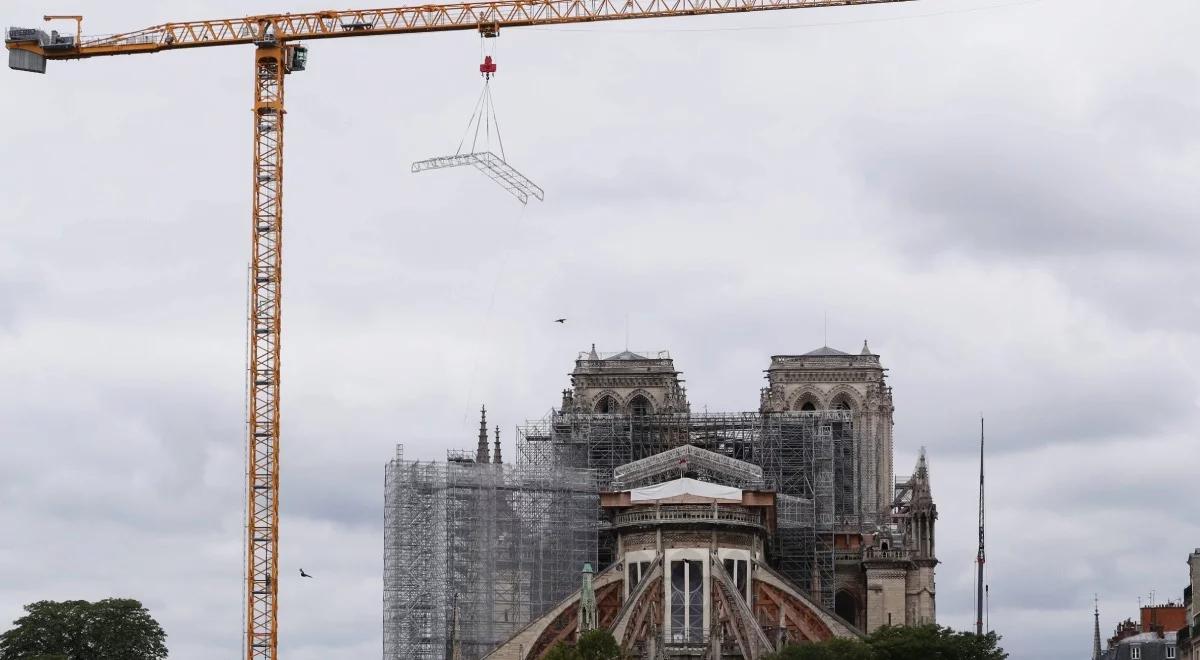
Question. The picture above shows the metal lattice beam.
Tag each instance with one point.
(494, 14)
(495, 167)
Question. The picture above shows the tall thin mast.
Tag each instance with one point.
(979, 560)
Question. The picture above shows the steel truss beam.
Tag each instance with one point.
(493, 166)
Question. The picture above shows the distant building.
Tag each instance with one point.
(1188, 636)
(1152, 637)
(1144, 646)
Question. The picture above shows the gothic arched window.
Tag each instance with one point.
(808, 405)
(606, 405)
(640, 406)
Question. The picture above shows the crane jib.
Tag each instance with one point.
(488, 16)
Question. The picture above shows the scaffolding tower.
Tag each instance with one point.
(497, 544)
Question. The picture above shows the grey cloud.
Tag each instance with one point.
(1016, 190)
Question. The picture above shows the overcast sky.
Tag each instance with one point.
(1001, 196)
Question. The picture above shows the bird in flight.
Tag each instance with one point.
(560, 320)
(303, 574)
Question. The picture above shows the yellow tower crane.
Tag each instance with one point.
(277, 52)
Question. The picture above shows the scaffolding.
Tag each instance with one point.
(488, 546)
(812, 459)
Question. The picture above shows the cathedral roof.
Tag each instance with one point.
(683, 487)
(825, 351)
(627, 355)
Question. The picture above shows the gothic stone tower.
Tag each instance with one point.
(625, 383)
(829, 379)
(919, 515)
(899, 562)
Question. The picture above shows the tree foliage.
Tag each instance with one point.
(931, 642)
(592, 645)
(934, 642)
(834, 649)
(79, 630)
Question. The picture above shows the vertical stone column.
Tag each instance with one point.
(920, 606)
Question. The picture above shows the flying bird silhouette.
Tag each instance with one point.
(560, 320)
(303, 574)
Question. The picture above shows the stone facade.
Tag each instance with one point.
(886, 592)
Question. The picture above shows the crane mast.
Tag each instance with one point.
(275, 57)
(266, 268)
(979, 557)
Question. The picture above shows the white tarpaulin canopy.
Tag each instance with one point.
(685, 486)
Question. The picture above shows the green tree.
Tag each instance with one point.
(930, 642)
(562, 651)
(78, 630)
(933, 642)
(592, 645)
(834, 649)
(598, 645)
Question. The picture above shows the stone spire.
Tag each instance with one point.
(922, 511)
(481, 451)
(866, 349)
(1096, 631)
(496, 449)
(588, 619)
(593, 355)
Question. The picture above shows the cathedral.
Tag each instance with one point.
(685, 534)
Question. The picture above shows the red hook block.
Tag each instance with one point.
(488, 67)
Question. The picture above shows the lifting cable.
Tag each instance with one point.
(481, 157)
(483, 117)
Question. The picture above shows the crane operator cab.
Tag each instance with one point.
(297, 58)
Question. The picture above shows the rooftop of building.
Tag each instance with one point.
(600, 361)
(1148, 637)
(827, 357)
(824, 351)
(625, 355)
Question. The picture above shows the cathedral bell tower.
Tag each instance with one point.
(829, 379)
(625, 383)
